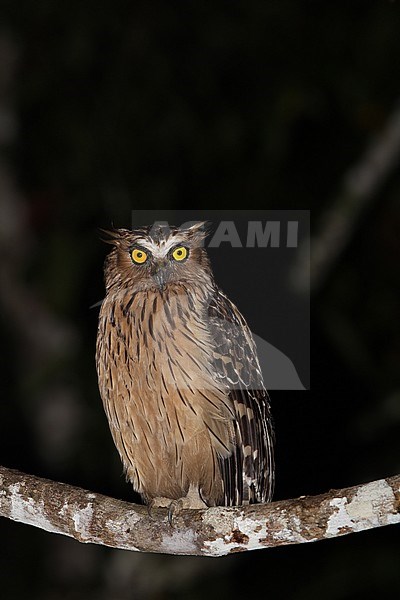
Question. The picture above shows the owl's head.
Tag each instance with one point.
(156, 256)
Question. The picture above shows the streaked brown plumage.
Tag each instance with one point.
(179, 375)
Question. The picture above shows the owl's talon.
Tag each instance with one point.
(174, 509)
(161, 502)
(150, 507)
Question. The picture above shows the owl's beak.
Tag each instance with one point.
(160, 274)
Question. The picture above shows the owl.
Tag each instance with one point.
(179, 375)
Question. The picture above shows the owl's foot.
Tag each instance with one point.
(159, 502)
(192, 500)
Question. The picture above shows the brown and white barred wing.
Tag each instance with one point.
(248, 474)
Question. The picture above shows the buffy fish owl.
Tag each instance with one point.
(179, 375)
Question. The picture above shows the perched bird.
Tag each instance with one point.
(179, 375)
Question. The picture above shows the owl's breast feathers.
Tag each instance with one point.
(183, 393)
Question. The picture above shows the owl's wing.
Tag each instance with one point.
(248, 473)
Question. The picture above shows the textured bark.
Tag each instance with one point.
(97, 519)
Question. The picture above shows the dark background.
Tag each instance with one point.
(105, 109)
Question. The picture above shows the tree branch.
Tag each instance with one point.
(97, 519)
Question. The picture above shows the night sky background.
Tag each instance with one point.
(107, 108)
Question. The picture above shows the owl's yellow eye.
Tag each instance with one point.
(180, 253)
(139, 256)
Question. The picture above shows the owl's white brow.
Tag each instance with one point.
(158, 250)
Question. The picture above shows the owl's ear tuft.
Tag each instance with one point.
(198, 231)
(113, 236)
